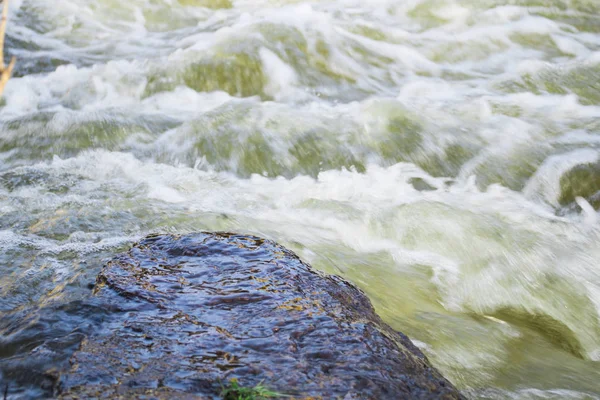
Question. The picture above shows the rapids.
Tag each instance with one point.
(443, 155)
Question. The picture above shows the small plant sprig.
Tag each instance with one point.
(5, 71)
(236, 392)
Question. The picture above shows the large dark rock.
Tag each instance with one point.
(192, 312)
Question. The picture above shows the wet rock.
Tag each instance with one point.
(190, 313)
(584, 181)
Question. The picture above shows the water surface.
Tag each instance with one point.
(444, 155)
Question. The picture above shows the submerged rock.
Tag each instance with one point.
(192, 312)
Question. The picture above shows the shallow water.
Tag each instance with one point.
(444, 155)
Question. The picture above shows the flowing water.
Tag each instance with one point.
(444, 155)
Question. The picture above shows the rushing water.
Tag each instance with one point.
(444, 155)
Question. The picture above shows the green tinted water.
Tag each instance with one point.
(443, 155)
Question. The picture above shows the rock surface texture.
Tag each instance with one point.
(192, 312)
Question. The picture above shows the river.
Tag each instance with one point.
(443, 155)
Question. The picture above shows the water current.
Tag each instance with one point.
(443, 155)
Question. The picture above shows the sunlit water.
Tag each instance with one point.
(444, 155)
